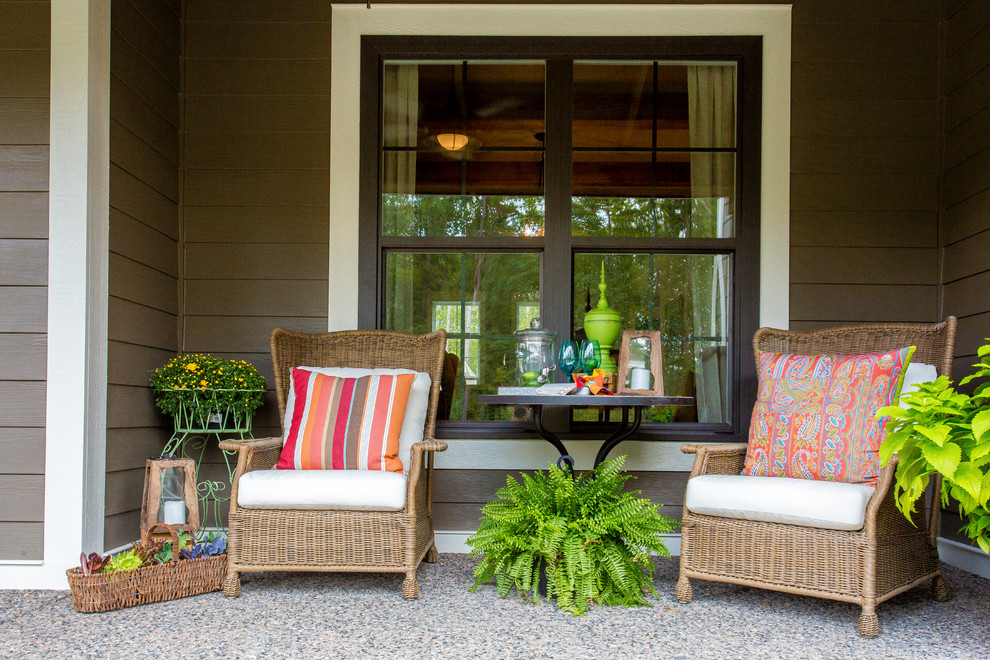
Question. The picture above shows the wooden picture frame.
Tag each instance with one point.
(655, 366)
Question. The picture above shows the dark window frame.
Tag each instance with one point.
(558, 246)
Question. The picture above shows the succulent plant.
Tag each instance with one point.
(93, 563)
(124, 561)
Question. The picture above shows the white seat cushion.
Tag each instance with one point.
(916, 373)
(823, 504)
(346, 490)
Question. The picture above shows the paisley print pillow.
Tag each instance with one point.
(815, 415)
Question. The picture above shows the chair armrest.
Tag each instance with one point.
(429, 445)
(422, 461)
(250, 443)
(882, 511)
(252, 454)
(717, 459)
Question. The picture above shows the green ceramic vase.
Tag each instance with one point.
(604, 324)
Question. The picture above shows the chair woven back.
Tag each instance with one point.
(935, 341)
(363, 349)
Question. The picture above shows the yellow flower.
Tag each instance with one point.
(202, 383)
(192, 367)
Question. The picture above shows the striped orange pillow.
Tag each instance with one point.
(345, 423)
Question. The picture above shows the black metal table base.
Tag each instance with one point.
(626, 430)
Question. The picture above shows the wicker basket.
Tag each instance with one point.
(102, 592)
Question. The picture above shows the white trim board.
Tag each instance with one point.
(78, 237)
(351, 22)
(535, 454)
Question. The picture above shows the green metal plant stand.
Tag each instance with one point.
(206, 418)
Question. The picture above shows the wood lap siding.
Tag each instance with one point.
(24, 101)
(965, 225)
(864, 167)
(964, 231)
(144, 253)
(256, 182)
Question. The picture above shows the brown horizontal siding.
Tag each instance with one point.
(22, 541)
(23, 499)
(23, 356)
(851, 12)
(144, 249)
(854, 265)
(965, 229)
(242, 334)
(286, 298)
(220, 226)
(23, 121)
(864, 163)
(859, 229)
(24, 214)
(853, 303)
(23, 449)
(256, 196)
(458, 495)
(24, 111)
(965, 204)
(132, 239)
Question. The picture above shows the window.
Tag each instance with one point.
(500, 178)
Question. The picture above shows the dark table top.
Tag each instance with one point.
(574, 400)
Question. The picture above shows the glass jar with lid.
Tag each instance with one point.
(535, 355)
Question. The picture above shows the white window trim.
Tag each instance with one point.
(351, 22)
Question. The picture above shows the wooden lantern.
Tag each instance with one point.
(170, 503)
(646, 379)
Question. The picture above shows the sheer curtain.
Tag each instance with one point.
(401, 121)
(712, 123)
(400, 129)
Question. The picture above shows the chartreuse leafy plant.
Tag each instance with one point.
(947, 432)
(593, 541)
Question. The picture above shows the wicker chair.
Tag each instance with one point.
(340, 540)
(888, 556)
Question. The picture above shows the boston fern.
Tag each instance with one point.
(593, 541)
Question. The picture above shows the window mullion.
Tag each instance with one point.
(556, 280)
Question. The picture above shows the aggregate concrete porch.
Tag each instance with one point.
(364, 616)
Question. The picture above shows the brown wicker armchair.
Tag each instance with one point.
(887, 556)
(340, 540)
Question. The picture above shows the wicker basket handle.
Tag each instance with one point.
(173, 531)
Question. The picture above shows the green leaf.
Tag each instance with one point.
(981, 425)
(969, 478)
(980, 455)
(891, 445)
(937, 433)
(985, 490)
(893, 411)
(945, 459)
